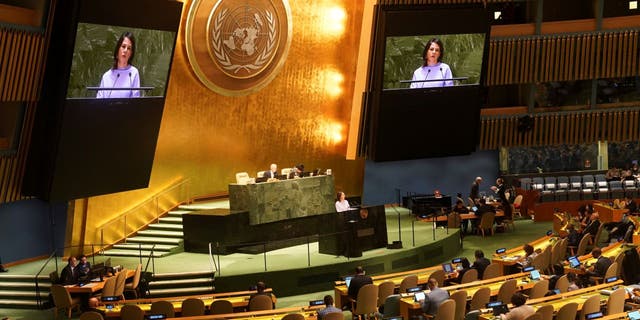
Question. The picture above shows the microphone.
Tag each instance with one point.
(114, 84)
(442, 74)
(425, 77)
(130, 85)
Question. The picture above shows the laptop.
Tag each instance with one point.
(498, 307)
(534, 275)
(414, 289)
(635, 315)
(316, 303)
(474, 209)
(594, 315)
(419, 296)
(347, 281)
(447, 267)
(574, 262)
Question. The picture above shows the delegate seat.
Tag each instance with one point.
(616, 189)
(575, 188)
(630, 188)
(525, 183)
(562, 188)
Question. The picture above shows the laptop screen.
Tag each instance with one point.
(593, 315)
(419, 296)
(535, 275)
(574, 262)
(447, 267)
(347, 281)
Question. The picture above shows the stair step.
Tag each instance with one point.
(13, 303)
(22, 277)
(22, 294)
(134, 253)
(201, 206)
(162, 233)
(176, 282)
(143, 246)
(181, 291)
(181, 275)
(166, 226)
(178, 213)
(139, 239)
(170, 219)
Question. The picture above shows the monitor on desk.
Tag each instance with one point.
(419, 296)
(498, 307)
(574, 262)
(316, 303)
(447, 267)
(456, 260)
(347, 281)
(501, 250)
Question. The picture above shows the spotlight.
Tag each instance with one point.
(633, 5)
(497, 15)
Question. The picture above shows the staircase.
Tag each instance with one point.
(19, 291)
(180, 284)
(166, 235)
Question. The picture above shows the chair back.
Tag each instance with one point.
(562, 284)
(385, 289)
(460, 297)
(556, 253)
(163, 307)
(480, 298)
(469, 276)
(546, 260)
(615, 303)
(439, 275)
(546, 312)
(534, 316)
(567, 311)
(54, 277)
(391, 306)
(618, 260)
(293, 316)
(333, 316)
(221, 307)
(486, 222)
(136, 277)
(539, 289)
(507, 289)
(518, 200)
(109, 288)
(121, 278)
(242, 178)
(471, 202)
(453, 220)
(538, 262)
(409, 281)
(91, 315)
(590, 306)
(131, 312)
(61, 297)
(367, 301)
(192, 307)
(446, 310)
(612, 271)
(493, 270)
(260, 302)
(582, 246)
(597, 239)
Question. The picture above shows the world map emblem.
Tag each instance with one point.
(237, 47)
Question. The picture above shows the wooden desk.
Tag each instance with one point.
(409, 308)
(239, 300)
(608, 213)
(341, 292)
(588, 260)
(463, 216)
(511, 256)
(308, 313)
(92, 287)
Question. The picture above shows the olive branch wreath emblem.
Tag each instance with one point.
(222, 56)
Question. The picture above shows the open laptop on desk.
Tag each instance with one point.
(574, 262)
(447, 267)
(347, 280)
(534, 275)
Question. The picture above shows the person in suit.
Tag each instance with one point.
(260, 287)
(328, 307)
(466, 266)
(598, 269)
(357, 282)
(631, 205)
(434, 299)
(84, 267)
(69, 274)
(297, 172)
(621, 228)
(475, 189)
(520, 311)
(480, 263)
(272, 172)
(500, 188)
(593, 225)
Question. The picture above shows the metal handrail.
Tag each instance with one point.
(51, 256)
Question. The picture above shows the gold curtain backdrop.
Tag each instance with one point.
(302, 116)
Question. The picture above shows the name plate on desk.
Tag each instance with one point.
(285, 199)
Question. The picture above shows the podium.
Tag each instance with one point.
(355, 231)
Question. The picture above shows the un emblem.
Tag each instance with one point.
(237, 47)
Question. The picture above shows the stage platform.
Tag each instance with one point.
(302, 269)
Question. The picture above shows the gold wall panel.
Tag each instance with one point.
(302, 116)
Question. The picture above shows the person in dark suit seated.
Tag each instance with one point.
(631, 205)
(466, 266)
(69, 274)
(620, 229)
(83, 268)
(459, 208)
(328, 307)
(272, 172)
(598, 269)
(357, 282)
(573, 237)
(260, 287)
(434, 299)
(593, 225)
(480, 263)
(482, 209)
(297, 172)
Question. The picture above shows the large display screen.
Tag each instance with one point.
(96, 51)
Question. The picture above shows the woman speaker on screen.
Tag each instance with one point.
(122, 75)
(433, 72)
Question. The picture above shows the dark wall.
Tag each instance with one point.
(31, 228)
(450, 175)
